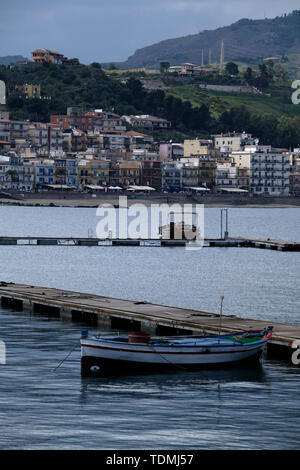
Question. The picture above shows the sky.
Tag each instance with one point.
(111, 30)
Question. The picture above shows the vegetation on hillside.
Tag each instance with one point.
(191, 110)
(74, 84)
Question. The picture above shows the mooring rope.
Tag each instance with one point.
(69, 354)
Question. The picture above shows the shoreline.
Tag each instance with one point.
(84, 200)
(84, 205)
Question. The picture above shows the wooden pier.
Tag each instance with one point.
(268, 243)
(129, 315)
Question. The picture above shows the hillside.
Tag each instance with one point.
(276, 102)
(191, 110)
(247, 41)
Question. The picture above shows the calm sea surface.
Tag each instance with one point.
(45, 409)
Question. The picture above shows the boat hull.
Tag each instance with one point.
(106, 359)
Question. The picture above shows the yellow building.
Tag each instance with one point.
(45, 56)
(130, 173)
(241, 159)
(242, 175)
(29, 90)
(199, 171)
(207, 172)
(93, 172)
(196, 147)
(190, 174)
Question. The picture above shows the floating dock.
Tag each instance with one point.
(132, 315)
(268, 243)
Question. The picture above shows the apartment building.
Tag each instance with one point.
(144, 155)
(194, 147)
(151, 174)
(226, 175)
(139, 140)
(93, 172)
(170, 151)
(190, 174)
(270, 173)
(93, 120)
(44, 172)
(172, 176)
(74, 140)
(66, 171)
(295, 173)
(233, 142)
(12, 130)
(130, 173)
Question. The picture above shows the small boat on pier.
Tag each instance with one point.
(137, 351)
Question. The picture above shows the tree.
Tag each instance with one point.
(287, 132)
(236, 119)
(264, 127)
(74, 61)
(12, 176)
(96, 65)
(265, 76)
(248, 75)
(164, 66)
(279, 73)
(231, 68)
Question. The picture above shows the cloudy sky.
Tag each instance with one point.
(111, 30)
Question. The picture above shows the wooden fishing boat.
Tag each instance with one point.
(102, 355)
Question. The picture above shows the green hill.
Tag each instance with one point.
(191, 110)
(247, 41)
(277, 101)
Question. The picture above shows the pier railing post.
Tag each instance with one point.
(224, 235)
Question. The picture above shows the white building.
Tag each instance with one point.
(270, 173)
(172, 173)
(170, 151)
(147, 121)
(234, 141)
(144, 155)
(226, 175)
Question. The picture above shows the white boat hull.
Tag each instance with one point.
(111, 355)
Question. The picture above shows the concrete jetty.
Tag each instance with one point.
(134, 315)
(280, 245)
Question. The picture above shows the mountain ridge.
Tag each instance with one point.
(246, 40)
(11, 59)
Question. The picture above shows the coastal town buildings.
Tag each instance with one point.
(94, 149)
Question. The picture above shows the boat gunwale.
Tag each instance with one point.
(166, 342)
